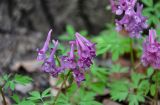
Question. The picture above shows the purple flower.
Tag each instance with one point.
(78, 75)
(83, 60)
(86, 51)
(77, 63)
(85, 47)
(56, 71)
(42, 52)
(132, 19)
(120, 6)
(68, 62)
(151, 51)
(84, 63)
(133, 24)
(49, 63)
(113, 6)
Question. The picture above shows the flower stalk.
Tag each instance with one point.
(63, 83)
(3, 97)
(156, 88)
(131, 54)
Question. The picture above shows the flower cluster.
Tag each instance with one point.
(151, 51)
(132, 20)
(76, 62)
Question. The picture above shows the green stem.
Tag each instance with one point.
(136, 66)
(156, 88)
(3, 97)
(57, 58)
(42, 101)
(131, 52)
(63, 83)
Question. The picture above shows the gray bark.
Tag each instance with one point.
(24, 23)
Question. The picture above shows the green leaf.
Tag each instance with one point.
(118, 69)
(83, 32)
(147, 11)
(89, 103)
(6, 77)
(16, 98)
(114, 43)
(26, 102)
(119, 90)
(87, 98)
(157, 9)
(148, 2)
(22, 79)
(153, 89)
(98, 87)
(155, 20)
(102, 49)
(66, 37)
(33, 98)
(150, 71)
(70, 33)
(144, 87)
(135, 99)
(115, 55)
(46, 93)
(7, 84)
(99, 72)
(12, 85)
(158, 32)
(62, 100)
(34, 95)
(71, 90)
(70, 30)
(136, 79)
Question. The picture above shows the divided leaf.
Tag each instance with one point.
(22, 79)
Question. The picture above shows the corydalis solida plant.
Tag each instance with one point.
(132, 19)
(76, 62)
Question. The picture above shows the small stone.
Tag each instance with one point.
(24, 88)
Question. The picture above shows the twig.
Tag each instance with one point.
(3, 97)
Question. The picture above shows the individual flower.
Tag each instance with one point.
(113, 6)
(139, 18)
(151, 51)
(78, 75)
(49, 63)
(122, 6)
(68, 62)
(42, 52)
(85, 47)
(56, 71)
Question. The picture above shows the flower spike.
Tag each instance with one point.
(151, 51)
